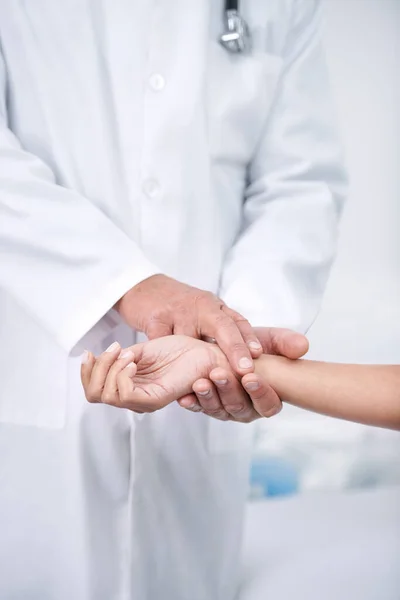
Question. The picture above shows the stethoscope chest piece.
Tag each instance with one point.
(236, 36)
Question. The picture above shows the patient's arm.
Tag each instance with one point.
(368, 394)
(148, 376)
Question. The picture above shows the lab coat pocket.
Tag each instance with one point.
(230, 437)
(240, 92)
(33, 371)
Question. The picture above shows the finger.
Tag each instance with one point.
(131, 397)
(186, 328)
(207, 338)
(284, 342)
(264, 398)
(190, 403)
(209, 400)
(220, 326)
(233, 397)
(110, 390)
(100, 370)
(247, 331)
(88, 361)
(137, 350)
(126, 388)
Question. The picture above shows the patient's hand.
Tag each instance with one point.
(222, 396)
(148, 376)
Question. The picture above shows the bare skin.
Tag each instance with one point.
(148, 376)
(368, 394)
(160, 306)
(169, 367)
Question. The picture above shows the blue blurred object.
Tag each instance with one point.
(272, 476)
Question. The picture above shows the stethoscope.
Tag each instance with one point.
(236, 37)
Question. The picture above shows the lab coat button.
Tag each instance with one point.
(157, 82)
(151, 188)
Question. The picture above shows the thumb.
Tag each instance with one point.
(157, 329)
(283, 342)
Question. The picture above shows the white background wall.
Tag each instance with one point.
(360, 317)
(363, 52)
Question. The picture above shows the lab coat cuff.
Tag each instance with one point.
(98, 318)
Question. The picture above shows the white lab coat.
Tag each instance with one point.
(131, 143)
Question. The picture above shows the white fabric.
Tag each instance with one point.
(333, 546)
(131, 143)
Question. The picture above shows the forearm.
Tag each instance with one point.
(368, 394)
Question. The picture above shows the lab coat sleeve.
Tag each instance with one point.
(61, 259)
(276, 272)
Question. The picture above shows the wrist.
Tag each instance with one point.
(272, 368)
(130, 305)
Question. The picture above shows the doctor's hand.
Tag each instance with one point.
(222, 396)
(148, 376)
(161, 306)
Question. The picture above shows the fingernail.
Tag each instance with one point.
(130, 366)
(195, 408)
(203, 393)
(126, 354)
(85, 357)
(245, 363)
(252, 385)
(221, 381)
(113, 347)
(255, 345)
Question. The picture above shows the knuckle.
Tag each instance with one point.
(222, 321)
(239, 347)
(205, 295)
(93, 395)
(158, 314)
(108, 398)
(240, 319)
